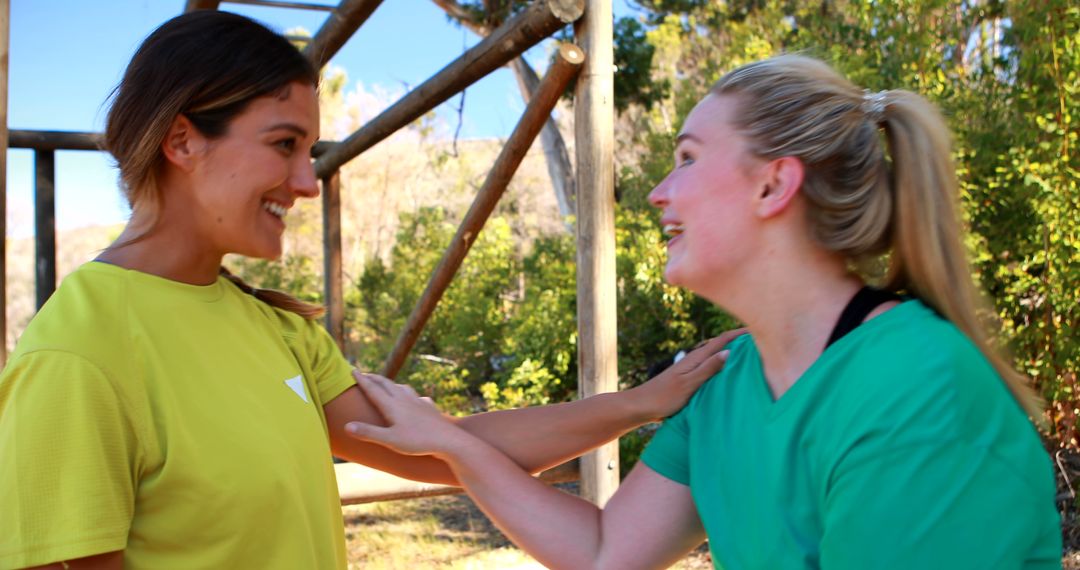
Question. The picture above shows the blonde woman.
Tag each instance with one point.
(852, 428)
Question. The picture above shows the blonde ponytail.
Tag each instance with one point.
(928, 258)
(276, 298)
(857, 204)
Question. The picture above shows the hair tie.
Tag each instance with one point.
(874, 104)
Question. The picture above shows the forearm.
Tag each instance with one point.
(646, 524)
(558, 529)
(541, 437)
(535, 438)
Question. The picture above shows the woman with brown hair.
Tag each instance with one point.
(853, 427)
(157, 412)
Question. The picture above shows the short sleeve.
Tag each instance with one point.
(947, 505)
(330, 372)
(668, 451)
(68, 461)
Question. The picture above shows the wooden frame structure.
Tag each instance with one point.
(591, 60)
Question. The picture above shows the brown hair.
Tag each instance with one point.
(208, 66)
(859, 204)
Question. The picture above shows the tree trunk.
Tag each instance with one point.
(556, 156)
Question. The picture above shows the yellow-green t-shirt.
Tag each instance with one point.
(181, 424)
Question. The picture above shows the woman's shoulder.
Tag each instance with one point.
(79, 332)
(910, 338)
(917, 369)
(87, 309)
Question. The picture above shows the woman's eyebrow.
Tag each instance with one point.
(687, 136)
(288, 127)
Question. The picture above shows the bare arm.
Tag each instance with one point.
(107, 561)
(650, 522)
(540, 437)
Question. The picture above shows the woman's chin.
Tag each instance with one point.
(269, 252)
(672, 275)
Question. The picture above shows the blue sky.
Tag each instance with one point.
(66, 56)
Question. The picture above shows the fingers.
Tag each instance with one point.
(713, 364)
(388, 386)
(709, 348)
(728, 336)
(375, 381)
(367, 432)
(377, 393)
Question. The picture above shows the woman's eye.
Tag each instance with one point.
(287, 145)
(685, 159)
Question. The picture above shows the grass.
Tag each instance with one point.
(447, 533)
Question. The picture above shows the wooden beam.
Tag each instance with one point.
(594, 120)
(338, 28)
(321, 147)
(358, 484)
(55, 140)
(44, 225)
(69, 140)
(5, 37)
(541, 19)
(566, 65)
(193, 5)
(332, 275)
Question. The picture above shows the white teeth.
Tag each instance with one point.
(275, 208)
(673, 229)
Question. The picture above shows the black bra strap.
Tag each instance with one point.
(862, 304)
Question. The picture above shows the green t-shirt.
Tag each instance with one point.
(170, 421)
(899, 448)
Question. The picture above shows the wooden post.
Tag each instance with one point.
(335, 300)
(337, 29)
(44, 225)
(538, 21)
(563, 69)
(5, 34)
(594, 116)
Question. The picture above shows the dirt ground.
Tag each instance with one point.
(451, 533)
(441, 533)
(1067, 470)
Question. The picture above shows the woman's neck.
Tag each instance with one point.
(165, 251)
(791, 307)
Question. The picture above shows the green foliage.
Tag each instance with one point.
(458, 347)
(294, 274)
(540, 346)
(633, 57)
(1006, 76)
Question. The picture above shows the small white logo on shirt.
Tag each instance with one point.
(297, 385)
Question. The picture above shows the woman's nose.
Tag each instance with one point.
(303, 181)
(659, 195)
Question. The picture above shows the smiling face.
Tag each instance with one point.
(707, 200)
(244, 182)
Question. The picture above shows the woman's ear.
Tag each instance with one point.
(182, 144)
(783, 178)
